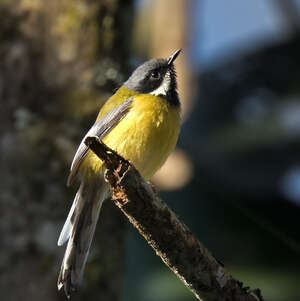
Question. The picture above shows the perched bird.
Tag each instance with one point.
(141, 121)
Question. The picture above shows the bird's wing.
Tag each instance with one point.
(100, 129)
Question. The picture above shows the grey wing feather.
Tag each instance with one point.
(100, 129)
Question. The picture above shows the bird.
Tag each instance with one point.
(141, 122)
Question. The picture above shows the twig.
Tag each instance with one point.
(178, 248)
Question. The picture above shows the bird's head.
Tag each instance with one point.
(156, 77)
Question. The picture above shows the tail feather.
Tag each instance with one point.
(67, 228)
(79, 229)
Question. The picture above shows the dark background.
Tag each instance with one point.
(234, 178)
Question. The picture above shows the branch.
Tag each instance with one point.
(178, 248)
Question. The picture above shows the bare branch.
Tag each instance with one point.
(178, 248)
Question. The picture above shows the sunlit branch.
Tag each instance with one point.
(170, 238)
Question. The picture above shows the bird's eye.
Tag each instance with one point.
(155, 75)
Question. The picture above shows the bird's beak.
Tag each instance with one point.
(173, 56)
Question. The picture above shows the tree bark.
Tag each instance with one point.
(59, 61)
(171, 239)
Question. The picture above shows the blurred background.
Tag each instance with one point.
(234, 178)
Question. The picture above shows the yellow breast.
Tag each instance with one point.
(145, 136)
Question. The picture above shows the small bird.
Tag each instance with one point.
(141, 122)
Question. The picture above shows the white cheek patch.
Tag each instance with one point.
(164, 86)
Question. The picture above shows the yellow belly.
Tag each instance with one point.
(145, 136)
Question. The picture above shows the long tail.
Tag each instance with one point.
(79, 229)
